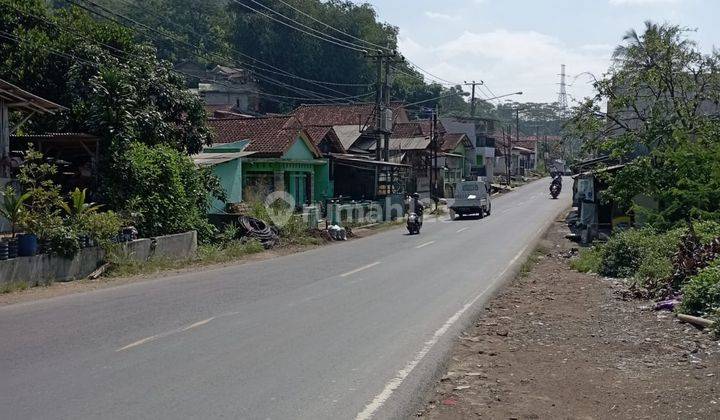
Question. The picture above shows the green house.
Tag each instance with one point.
(273, 154)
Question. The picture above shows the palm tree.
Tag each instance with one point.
(77, 206)
(13, 207)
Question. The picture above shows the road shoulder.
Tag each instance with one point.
(559, 344)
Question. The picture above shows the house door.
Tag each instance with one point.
(298, 188)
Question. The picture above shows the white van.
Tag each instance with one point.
(471, 197)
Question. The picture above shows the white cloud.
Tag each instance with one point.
(509, 61)
(642, 2)
(441, 16)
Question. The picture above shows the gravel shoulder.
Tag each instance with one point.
(560, 344)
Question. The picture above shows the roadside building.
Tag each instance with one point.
(225, 90)
(453, 163)
(284, 158)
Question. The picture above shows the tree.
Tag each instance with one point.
(662, 99)
(114, 87)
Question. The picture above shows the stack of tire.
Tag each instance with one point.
(259, 230)
(4, 250)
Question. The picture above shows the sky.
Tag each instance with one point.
(519, 45)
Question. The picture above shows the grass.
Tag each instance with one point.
(533, 259)
(589, 260)
(12, 287)
(122, 265)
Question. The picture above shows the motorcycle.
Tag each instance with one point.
(556, 187)
(414, 223)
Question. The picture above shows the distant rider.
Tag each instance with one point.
(416, 206)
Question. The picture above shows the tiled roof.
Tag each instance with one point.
(416, 128)
(319, 133)
(451, 140)
(405, 130)
(358, 114)
(334, 114)
(269, 136)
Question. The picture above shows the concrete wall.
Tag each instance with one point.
(44, 269)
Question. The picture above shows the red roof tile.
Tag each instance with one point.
(360, 114)
(451, 140)
(269, 136)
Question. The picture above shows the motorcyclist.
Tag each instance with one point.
(416, 206)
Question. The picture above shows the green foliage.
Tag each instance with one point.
(701, 293)
(13, 208)
(164, 188)
(101, 227)
(659, 90)
(589, 260)
(623, 254)
(123, 265)
(62, 238)
(77, 207)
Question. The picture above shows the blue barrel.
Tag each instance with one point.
(27, 245)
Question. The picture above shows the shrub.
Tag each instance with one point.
(164, 190)
(589, 260)
(623, 253)
(101, 227)
(701, 293)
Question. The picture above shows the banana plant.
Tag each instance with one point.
(13, 207)
(77, 206)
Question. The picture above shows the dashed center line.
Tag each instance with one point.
(425, 244)
(357, 270)
(165, 334)
(463, 229)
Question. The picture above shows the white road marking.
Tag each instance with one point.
(425, 244)
(165, 334)
(357, 270)
(395, 382)
(137, 343)
(197, 324)
(463, 229)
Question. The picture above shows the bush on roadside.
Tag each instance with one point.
(701, 293)
(624, 252)
(589, 260)
(166, 192)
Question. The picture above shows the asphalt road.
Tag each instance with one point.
(353, 330)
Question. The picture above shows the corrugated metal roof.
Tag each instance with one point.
(211, 159)
(348, 134)
(412, 143)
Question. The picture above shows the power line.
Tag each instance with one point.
(270, 68)
(332, 27)
(96, 64)
(327, 38)
(191, 48)
(349, 44)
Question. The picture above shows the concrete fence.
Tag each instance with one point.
(44, 269)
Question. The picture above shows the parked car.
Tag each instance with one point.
(471, 197)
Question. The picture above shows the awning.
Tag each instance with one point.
(212, 159)
(360, 160)
(19, 99)
(599, 171)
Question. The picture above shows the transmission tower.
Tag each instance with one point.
(562, 96)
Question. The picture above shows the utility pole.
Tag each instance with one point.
(386, 103)
(517, 131)
(435, 146)
(383, 113)
(473, 101)
(378, 101)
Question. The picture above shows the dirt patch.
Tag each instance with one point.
(558, 344)
(85, 285)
